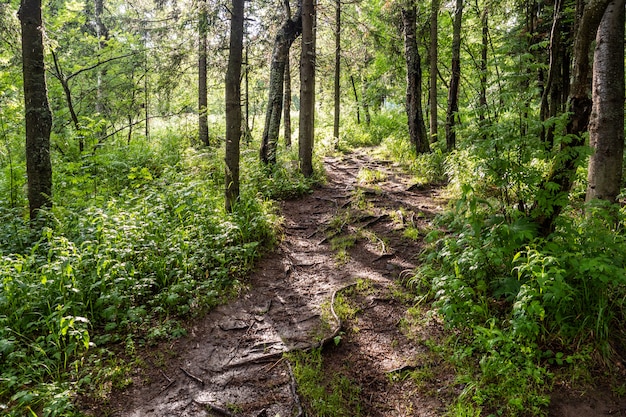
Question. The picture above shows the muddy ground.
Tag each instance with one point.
(358, 236)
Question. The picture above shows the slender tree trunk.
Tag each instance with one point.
(606, 127)
(65, 85)
(484, 47)
(203, 121)
(287, 34)
(307, 88)
(433, 58)
(38, 116)
(356, 100)
(233, 104)
(287, 103)
(337, 69)
(247, 129)
(417, 128)
(365, 101)
(453, 91)
(554, 192)
(102, 33)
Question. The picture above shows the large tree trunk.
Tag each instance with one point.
(554, 192)
(233, 104)
(337, 69)
(433, 57)
(453, 92)
(38, 116)
(417, 128)
(606, 128)
(307, 88)
(203, 121)
(287, 34)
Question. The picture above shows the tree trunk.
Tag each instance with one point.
(287, 34)
(356, 100)
(203, 121)
(417, 128)
(453, 92)
(307, 88)
(433, 57)
(233, 104)
(287, 104)
(102, 33)
(365, 101)
(337, 69)
(38, 116)
(606, 127)
(554, 192)
(484, 47)
(58, 74)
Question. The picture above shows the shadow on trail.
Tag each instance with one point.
(230, 363)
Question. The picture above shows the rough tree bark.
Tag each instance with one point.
(287, 34)
(433, 57)
(38, 116)
(307, 89)
(417, 128)
(233, 104)
(203, 121)
(554, 192)
(453, 92)
(606, 127)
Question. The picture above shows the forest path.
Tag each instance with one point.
(351, 229)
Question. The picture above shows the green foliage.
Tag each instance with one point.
(325, 396)
(527, 306)
(137, 239)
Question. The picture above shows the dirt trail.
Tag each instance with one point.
(230, 363)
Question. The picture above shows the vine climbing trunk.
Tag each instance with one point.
(38, 116)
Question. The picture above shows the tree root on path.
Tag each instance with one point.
(272, 357)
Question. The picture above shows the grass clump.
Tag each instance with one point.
(324, 395)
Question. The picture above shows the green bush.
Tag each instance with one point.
(526, 305)
(138, 239)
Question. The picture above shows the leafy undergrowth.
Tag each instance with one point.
(526, 312)
(137, 241)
